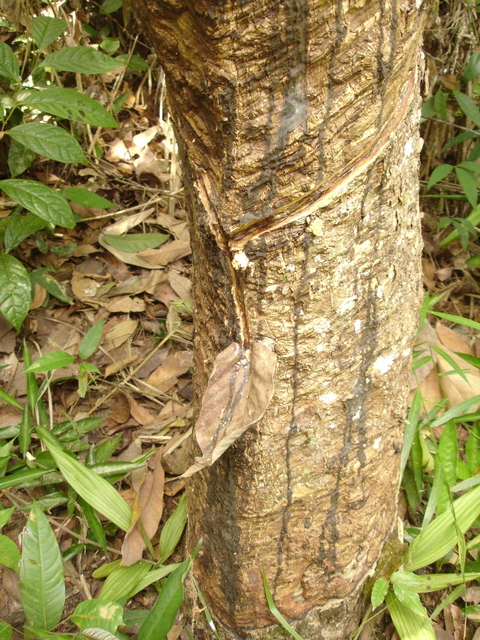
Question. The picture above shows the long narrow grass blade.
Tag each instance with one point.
(275, 612)
(412, 423)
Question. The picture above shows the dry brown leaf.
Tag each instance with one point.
(126, 305)
(121, 409)
(119, 365)
(167, 253)
(450, 339)
(84, 288)
(178, 228)
(39, 297)
(174, 365)
(180, 284)
(117, 151)
(83, 250)
(455, 388)
(148, 509)
(472, 594)
(175, 456)
(431, 392)
(138, 411)
(128, 222)
(237, 395)
(119, 334)
(142, 139)
(425, 339)
(429, 274)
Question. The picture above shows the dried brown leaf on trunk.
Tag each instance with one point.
(148, 509)
(238, 393)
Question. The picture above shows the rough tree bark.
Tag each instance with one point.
(298, 121)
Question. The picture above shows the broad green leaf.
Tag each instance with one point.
(379, 592)
(71, 105)
(106, 569)
(21, 227)
(40, 200)
(470, 166)
(19, 158)
(439, 581)
(5, 630)
(469, 185)
(123, 581)
(468, 106)
(51, 361)
(80, 60)
(9, 553)
(439, 173)
(437, 487)
(135, 242)
(46, 30)
(110, 45)
(87, 198)
(473, 67)
(135, 63)
(15, 290)
(472, 448)
(5, 516)
(105, 450)
(406, 578)
(94, 524)
(42, 585)
(50, 284)
(91, 340)
(172, 530)
(6, 397)
(99, 613)
(109, 6)
(441, 535)
(19, 478)
(466, 484)
(408, 624)
(462, 137)
(49, 141)
(75, 429)
(94, 489)
(440, 104)
(448, 455)
(99, 634)
(5, 455)
(409, 598)
(162, 615)
(8, 63)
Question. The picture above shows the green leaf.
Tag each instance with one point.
(162, 615)
(379, 592)
(71, 105)
(46, 30)
(6, 397)
(19, 158)
(48, 282)
(80, 60)
(410, 430)
(94, 525)
(439, 173)
(274, 611)
(472, 448)
(473, 67)
(15, 290)
(408, 624)
(5, 630)
(91, 340)
(135, 242)
(135, 63)
(99, 613)
(151, 577)
(409, 598)
(40, 200)
(42, 586)
(5, 516)
(468, 106)
(8, 63)
(448, 455)
(99, 634)
(20, 477)
(473, 218)
(462, 137)
(124, 580)
(441, 535)
(457, 319)
(87, 198)
(110, 45)
(94, 489)
(51, 361)
(470, 166)
(21, 227)
(9, 553)
(25, 434)
(172, 530)
(109, 6)
(49, 141)
(469, 185)
(440, 104)
(32, 387)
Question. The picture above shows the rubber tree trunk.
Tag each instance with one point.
(298, 121)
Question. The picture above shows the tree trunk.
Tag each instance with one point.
(298, 122)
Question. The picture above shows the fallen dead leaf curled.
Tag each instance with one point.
(238, 393)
